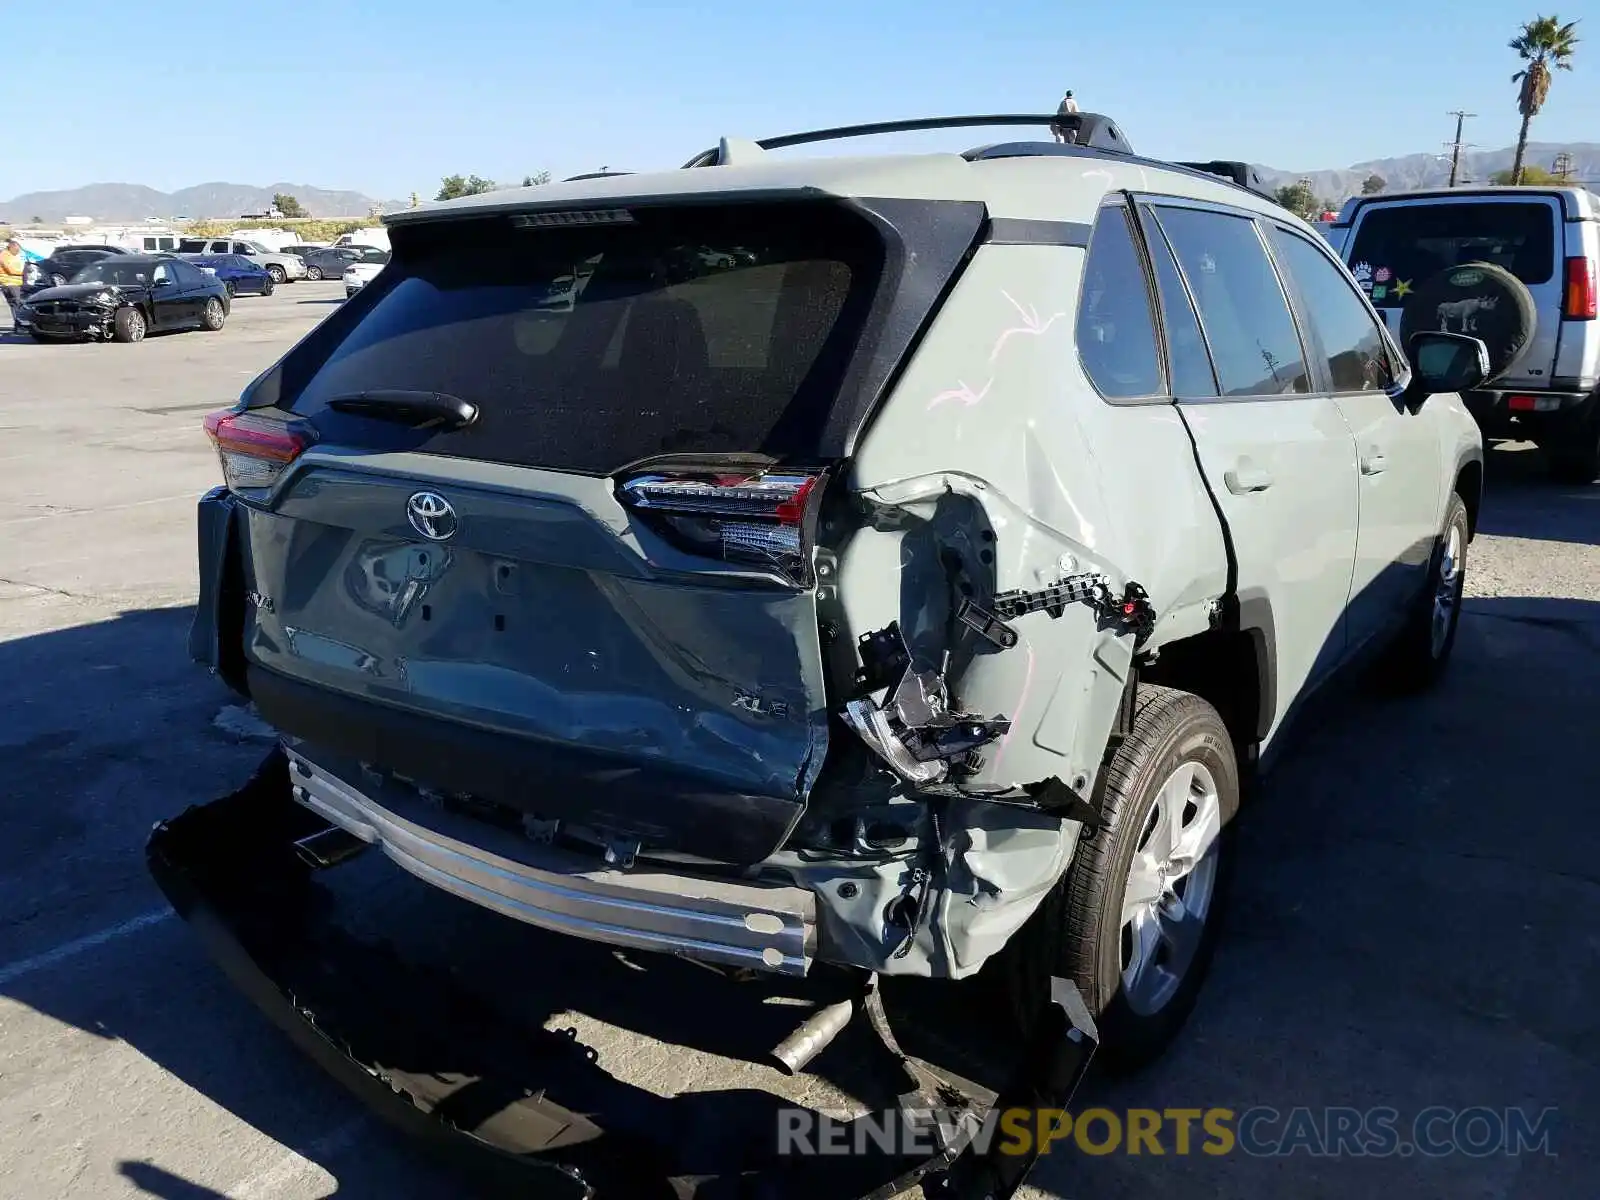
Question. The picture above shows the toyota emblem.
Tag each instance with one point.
(430, 515)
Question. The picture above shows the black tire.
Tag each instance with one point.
(212, 316)
(229, 287)
(128, 325)
(268, 287)
(1078, 932)
(1479, 298)
(276, 273)
(314, 274)
(1422, 650)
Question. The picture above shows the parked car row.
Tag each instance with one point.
(283, 267)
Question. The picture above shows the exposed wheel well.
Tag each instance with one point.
(1227, 669)
(1469, 486)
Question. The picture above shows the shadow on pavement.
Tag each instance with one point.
(156, 1181)
(1413, 884)
(1414, 899)
(1523, 502)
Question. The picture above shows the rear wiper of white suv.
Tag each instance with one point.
(420, 410)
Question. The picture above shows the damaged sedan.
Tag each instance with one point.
(896, 565)
(120, 298)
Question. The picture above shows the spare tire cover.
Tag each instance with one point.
(1477, 298)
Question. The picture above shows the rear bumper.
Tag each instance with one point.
(528, 1110)
(762, 926)
(1553, 413)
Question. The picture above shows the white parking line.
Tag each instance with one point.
(38, 962)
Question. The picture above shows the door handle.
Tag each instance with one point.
(1374, 464)
(1246, 478)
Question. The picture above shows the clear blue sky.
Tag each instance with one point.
(386, 97)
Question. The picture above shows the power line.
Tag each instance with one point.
(1455, 146)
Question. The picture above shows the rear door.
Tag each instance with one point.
(1396, 245)
(554, 550)
(1279, 457)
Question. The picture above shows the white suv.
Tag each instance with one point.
(1544, 338)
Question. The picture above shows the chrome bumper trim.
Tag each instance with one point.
(741, 923)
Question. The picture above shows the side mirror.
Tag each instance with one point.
(1447, 362)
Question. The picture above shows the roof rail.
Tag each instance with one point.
(1241, 173)
(1083, 129)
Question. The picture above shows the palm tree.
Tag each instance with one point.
(1545, 44)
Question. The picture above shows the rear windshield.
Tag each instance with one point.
(700, 331)
(1406, 244)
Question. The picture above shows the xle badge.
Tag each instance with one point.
(750, 702)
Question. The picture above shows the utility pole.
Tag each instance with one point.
(1455, 147)
(1562, 167)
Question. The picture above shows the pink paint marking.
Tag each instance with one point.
(962, 394)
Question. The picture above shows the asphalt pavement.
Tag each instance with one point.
(1412, 927)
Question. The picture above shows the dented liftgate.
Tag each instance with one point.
(532, 1112)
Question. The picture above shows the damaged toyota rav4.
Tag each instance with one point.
(893, 563)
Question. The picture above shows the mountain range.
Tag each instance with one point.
(1433, 170)
(133, 202)
(130, 201)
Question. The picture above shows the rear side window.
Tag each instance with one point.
(1398, 247)
(1358, 358)
(190, 246)
(1253, 339)
(1116, 332)
(1188, 361)
(587, 348)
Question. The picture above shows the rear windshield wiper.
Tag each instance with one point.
(420, 410)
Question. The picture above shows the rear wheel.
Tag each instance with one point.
(268, 287)
(212, 316)
(314, 273)
(276, 273)
(1134, 922)
(128, 325)
(232, 291)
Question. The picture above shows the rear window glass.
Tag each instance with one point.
(687, 331)
(1398, 247)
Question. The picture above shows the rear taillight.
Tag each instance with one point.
(253, 449)
(1580, 302)
(760, 517)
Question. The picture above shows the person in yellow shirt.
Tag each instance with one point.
(11, 277)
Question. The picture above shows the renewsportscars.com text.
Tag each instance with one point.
(1260, 1131)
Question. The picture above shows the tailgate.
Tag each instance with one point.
(1396, 246)
(533, 519)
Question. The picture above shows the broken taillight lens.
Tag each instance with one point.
(255, 449)
(758, 517)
